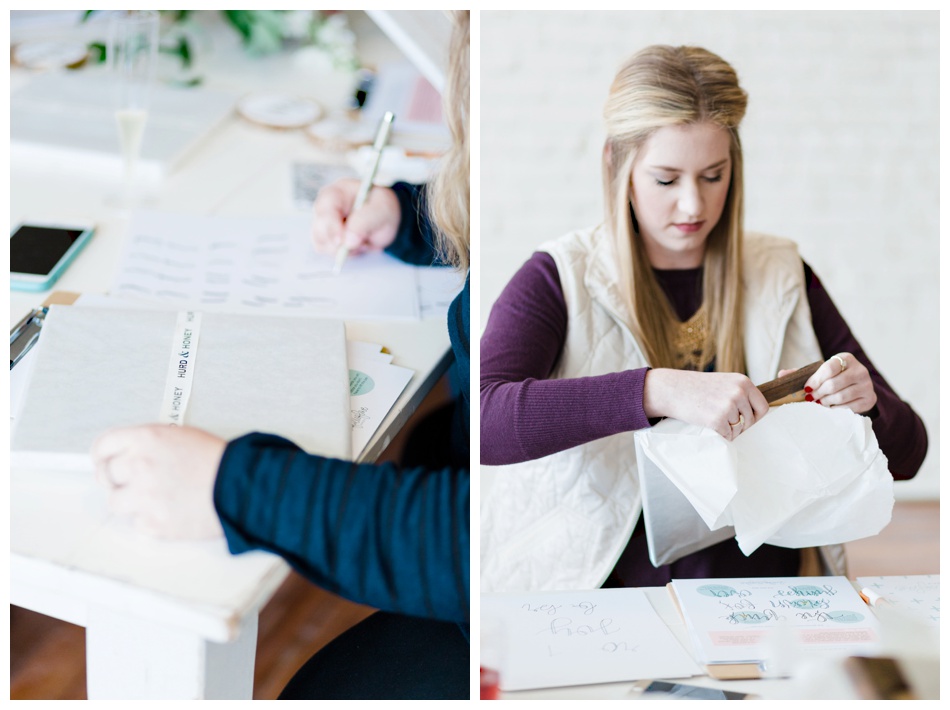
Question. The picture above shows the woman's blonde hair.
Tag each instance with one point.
(448, 194)
(674, 86)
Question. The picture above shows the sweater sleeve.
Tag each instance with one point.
(899, 430)
(395, 539)
(415, 241)
(524, 415)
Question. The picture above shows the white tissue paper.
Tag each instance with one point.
(803, 476)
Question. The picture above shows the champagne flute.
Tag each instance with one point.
(132, 51)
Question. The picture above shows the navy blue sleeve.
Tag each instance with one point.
(415, 241)
(394, 539)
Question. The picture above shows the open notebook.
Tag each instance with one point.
(97, 369)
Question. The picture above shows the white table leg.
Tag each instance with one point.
(133, 658)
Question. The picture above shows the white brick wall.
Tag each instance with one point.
(841, 149)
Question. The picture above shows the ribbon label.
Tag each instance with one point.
(181, 368)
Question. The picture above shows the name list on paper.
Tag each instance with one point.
(254, 265)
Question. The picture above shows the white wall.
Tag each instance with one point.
(841, 153)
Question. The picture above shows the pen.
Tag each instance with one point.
(382, 136)
(25, 333)
(872, 598)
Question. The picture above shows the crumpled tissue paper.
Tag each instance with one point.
(802, 476)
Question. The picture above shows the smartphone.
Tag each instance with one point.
(41, 250)
(660, 690)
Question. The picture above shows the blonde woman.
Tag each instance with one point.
(393, 537)
(667, 309)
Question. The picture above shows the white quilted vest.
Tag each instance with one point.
(561, 521)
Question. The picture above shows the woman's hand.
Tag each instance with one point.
(842, 381)
(371, 228)
(725, 402)
(162, 477)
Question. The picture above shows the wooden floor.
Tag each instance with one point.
(47, 657)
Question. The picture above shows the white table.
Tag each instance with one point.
(826, 681)
(171, 620)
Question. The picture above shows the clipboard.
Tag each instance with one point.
(24, 334)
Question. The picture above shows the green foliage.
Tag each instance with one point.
(262, 32)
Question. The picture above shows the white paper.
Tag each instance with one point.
(375, 385)
(97, 369)
(917, 596)
(438, 287)
(554, 639)
(369, 351)
(802, 476)
(730, 620)
(255, 265)
(20, 378)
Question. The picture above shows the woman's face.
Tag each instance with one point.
(679, 185)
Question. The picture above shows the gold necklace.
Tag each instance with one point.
(689, 337)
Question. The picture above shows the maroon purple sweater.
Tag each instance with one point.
(525, 415)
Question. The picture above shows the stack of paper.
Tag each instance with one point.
(96, 368)
(375, 384)
(744, 623)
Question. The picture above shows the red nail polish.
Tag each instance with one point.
(808, 398)
(817, 401)
(808, 390)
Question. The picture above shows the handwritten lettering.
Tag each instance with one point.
(741, 604)
(752, 617)
(542, 608)
(801, 603)
(565, 626)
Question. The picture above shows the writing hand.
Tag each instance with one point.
(842, 381)
(162, 477)
(370, 228)
(726, 402)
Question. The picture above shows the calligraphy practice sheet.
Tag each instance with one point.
(917, 596)
(254, 265)
(554, 639)
(735, 620)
